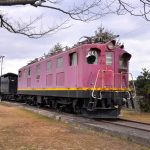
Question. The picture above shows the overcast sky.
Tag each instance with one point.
(18, 50)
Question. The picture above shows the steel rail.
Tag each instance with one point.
(126, 123)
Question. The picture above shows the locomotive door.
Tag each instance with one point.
(114, 77)
(108, 74)
(120, 78)
(73, 71)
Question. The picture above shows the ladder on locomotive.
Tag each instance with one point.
(93, 101)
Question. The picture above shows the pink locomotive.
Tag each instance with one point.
(90, 79)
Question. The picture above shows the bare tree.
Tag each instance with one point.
(82, 12)
(29, 28)
(136, 8)
(77, 10)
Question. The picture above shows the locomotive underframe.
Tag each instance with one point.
(79, 102)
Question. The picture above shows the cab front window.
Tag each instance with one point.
(109, 58)
(124, 59)
(92, 56)
(123, 63)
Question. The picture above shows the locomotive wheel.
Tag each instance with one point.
(0, 98)
(77, 109)
(54, 104)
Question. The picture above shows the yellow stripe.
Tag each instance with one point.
(72, 89)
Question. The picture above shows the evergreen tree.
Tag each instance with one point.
(143, 82)
(102, 35)
(143, 88)
(56, 49)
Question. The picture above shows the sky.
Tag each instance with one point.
(19, 50)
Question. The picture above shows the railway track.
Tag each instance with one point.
(135, 131)
(131, 124)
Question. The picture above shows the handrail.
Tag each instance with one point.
(129, 95)
(95, 86)
(102, 81)
(133, 85)
(122, 76)
(113, 82)
(134, 89)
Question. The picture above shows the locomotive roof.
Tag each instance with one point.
(58, 53)
(76, 46)
(9, 74)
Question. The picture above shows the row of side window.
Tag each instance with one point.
(73, 61)
(59, 64)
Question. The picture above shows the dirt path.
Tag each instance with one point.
(23, 130)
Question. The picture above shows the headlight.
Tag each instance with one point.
(111, 45)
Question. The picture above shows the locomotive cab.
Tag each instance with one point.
(107, 74)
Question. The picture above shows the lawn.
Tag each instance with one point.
(24, 130)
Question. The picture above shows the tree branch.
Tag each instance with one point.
(16, 2)
(82, 11)
(143, 10)
(29, 29)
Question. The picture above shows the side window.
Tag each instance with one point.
(29, 71)
(48, 66)
(109, 58)
(73, 59)
(124, 59)
(59, 62)
(20, 74)
(37, 71)
(123, 63)
(92, 56)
